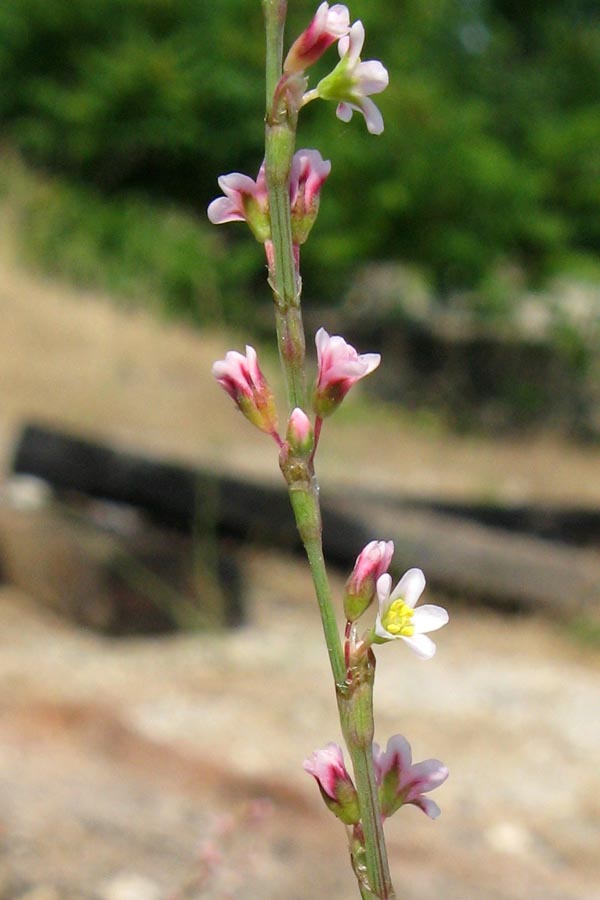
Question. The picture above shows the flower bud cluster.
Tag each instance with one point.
(247, 201)
(397, 617)
(339, 368)
(399, 780)
(352, 82)
(350, 85)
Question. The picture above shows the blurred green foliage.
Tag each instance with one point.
(490, 153)
(150, 253)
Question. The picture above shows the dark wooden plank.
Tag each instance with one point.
(460, 555)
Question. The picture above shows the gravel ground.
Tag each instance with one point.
(120, 759)
(170, 768)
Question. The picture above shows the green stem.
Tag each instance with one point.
(356, 717)
(354, 700)
(280, 140)
(274, 12)
(378, 869)
(305, 503)
(365, 893)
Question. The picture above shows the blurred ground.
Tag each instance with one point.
(119, 759)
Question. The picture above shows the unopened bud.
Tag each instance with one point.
(243, 380)
(328, 25)
(340, 367)
(299, 433)
(337, 789)
(361, 587)
(309, 171)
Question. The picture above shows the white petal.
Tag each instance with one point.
(321, 342)
(384, 586)
(357, 39)
(373, 77)
(235, 183)
(252, 364)
(343, 44)
(428, 806)
(381, 632)
(344, 112)
(223, 210)
(373, 116)
(427, 776)
(410, 587)
(429, 618)
(372, 360)
(398, 744)
(421, 644)
(338, 19)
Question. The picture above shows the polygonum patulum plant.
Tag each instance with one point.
(280, 208)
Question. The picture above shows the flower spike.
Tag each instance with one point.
(397, 617)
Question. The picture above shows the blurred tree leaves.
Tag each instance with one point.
(491, 149)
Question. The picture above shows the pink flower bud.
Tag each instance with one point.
(337, 789)
(243, 380)
(309, 171)
(340, 367)
(402, 782)
(245, 200)
(328, 25)
(361, 587)
(299, 432)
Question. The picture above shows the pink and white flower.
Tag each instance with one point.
(340, 367)
(400, 781)
(327, 26)
(352, 81)
(308, 173)
(371, 563)
(243, 380)
(337, 788)
(398, 618)
(245, 200)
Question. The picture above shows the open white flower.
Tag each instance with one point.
(398, 618)
(352, 81)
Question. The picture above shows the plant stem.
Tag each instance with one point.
(305, 503)
(356, 716)
(274, 12)
(355, 696)
(280, 139)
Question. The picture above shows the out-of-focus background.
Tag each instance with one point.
(162, 668)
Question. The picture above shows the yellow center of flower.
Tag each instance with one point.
(398, 619)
